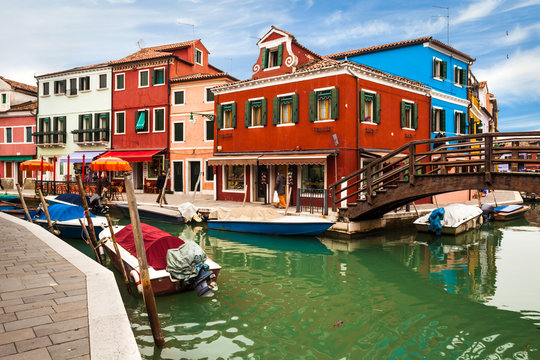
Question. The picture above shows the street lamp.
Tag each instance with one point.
(208, 116)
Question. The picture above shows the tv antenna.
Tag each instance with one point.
(141, 44)
(185, 23)
(447, 21)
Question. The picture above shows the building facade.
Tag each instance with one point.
(18, 104)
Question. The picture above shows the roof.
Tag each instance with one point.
(202, 76)
(293, 40)
(20, 86)
(78, 68)
(154, 52)
(399, 44)
(29, 105)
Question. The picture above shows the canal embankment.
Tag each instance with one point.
(55, 302)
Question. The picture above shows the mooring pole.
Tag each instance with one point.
(164, 188)
(23, 202)
(148, 293)
(89, 221)
(85, 230)
(44, 204)
(113, 238)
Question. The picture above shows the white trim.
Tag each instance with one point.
(174, 132)
(116, 81)
(139, 78)
(224, 181)
(407, 128)
(154, 118)
(148, 119)
(174, 100)
(206, 93)
(325, 88)
(159, 68)
(195, 57)
(448, 98)
(255, 99)
(408, 101)
(323, 121)
(369, 91)
(227, 103)
(437, 107)
(188, 174)
(446, 52)
(116, 124)
(256, 127)
(285, 95)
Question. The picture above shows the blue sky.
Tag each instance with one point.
(45, 36)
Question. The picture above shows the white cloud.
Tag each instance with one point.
(523, 4)
(476, 10)
(335, 17)
(519, 34)
(121, 1)
(526, 122)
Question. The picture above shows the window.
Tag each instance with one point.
(209, 95)
(461, 122)
(141, 121)
(234, 177)
(4, 98)
(46, 89)
(198, 57)
(370, 107)
(460, 76)
(158, 76)
(103, 81)
(120, 123)
(255, 113)
(438, 120)
(209, 130)
(409, 115)
(478, 127)
(209, 173)
(272, 57)
(143, 78)
(60, 87)
(72, 87)
(120, 82)
(226, 116)
(28, 134)
(285, 109)
(312, 177)
(9, 169)
(155, 167)
(59, 129)
(84, 83)
(85, 126)
(101, 127)
(159, 120)
(323, 105)
(179, 97)
(9, 135)
(178, 132)
(439, 69)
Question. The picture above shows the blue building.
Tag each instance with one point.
(439, 66)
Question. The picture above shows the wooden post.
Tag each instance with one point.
(96, 254)
(91, 230)
(196, 186)
(148, 293)
(412, 159)
(288, 199)
(415, 209)
(369, 181)
(44, 204)
(113, 238)
(245, 195)
(164, 188)
(23, 202)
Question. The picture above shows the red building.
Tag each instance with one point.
(316, 118)
(18, 106)
(141, 104)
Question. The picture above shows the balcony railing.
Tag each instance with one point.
(50, 138)
(90, 136)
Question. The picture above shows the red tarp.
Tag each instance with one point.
(156, 244)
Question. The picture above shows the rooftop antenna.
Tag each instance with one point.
(185, 23)
(447, 22)
(141, 44)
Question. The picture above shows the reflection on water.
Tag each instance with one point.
(398, 294)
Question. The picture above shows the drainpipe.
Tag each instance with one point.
(167, 123)
(112, 112)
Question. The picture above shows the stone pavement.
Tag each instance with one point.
(46, 288)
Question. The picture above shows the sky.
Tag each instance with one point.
(502, 35)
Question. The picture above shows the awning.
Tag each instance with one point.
(133, 156)
(297, 159)
(16, 158)
(76, 157)
(233, 160)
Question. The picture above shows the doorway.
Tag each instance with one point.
(194, 173)
(178, 176)
(261, 184)
(137, 174)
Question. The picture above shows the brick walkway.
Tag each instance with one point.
(43, 305)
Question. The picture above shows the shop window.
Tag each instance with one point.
(438, 120)
(234, 177)
(409, 115)
(155, 167)
(370, 107)
(312, 177)
(323, 105)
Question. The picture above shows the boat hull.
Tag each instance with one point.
(152, 216)
(454, 230)
(271, 228)
(67, 230)
(505, 216)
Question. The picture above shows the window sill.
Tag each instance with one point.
(179, 142)
(458, 85)
(410, 129)
(85, 91)
(256, 127)
(438, 78)
(226, 129)
(159, 131)
(120, 133)
(272, 68)
(102, 89)
(120, 89)
(284, 125)
(323, 121)
(48, 95)
(369, 123)
(158, 84)
(144, 86)
(233, 191)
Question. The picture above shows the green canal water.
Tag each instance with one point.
(396, 294)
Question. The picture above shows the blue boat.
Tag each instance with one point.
(283, 226)
(66, 219)
(9, 198)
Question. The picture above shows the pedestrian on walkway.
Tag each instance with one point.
(2, 187)
(280, 188)
(160, 185)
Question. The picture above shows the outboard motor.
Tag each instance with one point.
(200, 283)
(96, 206)
(488, 212)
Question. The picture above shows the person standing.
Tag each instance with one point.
(280, 188)
(2, 186)
(160, 185)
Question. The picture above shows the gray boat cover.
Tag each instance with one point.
(182, 263)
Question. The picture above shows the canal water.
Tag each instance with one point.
(396, 294)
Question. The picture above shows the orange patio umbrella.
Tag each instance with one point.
(36, 165)
(110, 164)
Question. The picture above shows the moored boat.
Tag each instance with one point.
(284, 225)
(163, 251)
(66, 219)
(155, 213)
(452, 219)
(509, 212)
(16, 210)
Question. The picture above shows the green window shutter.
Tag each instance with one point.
(415, 116)
(362, 106)
(96, 126)
(443, 120)
(219, 120)
(443, 70)
(153, 75)
(335, 103)
(280, 55)
(434, 67)
(275, 111)
(377, 109)
(456, 75)
(233, 115)
(403, 119)
(295, 108)
(264, 61)
(80, 135)
(463, 124)
(55, 124)
(247, 114)
(312, 106)
(107, 127)
(463, 77)
(263, 112)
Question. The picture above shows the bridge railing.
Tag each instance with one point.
(486, 153)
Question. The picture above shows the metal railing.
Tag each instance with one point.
(312, 201)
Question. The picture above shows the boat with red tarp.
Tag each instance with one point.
(164, 277)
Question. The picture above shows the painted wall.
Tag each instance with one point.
(450, 108)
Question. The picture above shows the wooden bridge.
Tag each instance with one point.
(495, 161)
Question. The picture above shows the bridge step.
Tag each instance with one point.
(391, 186)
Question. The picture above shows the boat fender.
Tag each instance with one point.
(137, 279)
(201, 284)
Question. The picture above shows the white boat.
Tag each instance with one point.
(66, 219)
(453, 219)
